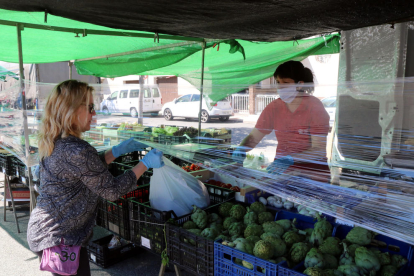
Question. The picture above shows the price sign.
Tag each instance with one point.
(93, 257)
(145, 242)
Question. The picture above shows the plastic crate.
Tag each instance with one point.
(136, 155)
(7, 164)
(117, 169)
(100, 254)
(147, 223)
(225, 263)
(254, 195)
(20, 168)
(114, 217)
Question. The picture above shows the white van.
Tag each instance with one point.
(126, 101)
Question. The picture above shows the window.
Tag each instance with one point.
(184, 99)
(147, 93)
(114, 95)
(155, 93)
(195, 98)
(134, 93)
(123, 94)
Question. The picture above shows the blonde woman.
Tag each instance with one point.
(73, 175)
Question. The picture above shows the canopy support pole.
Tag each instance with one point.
(141, 101)
(203, 47)
(24, 108)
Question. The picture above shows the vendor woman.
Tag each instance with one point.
(300, 122)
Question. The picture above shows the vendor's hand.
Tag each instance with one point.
(280, 165)
(153, 159)
(127, 146)
(239, 154)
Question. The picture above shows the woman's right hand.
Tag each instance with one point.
(153, 159)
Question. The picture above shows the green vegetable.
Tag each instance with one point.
(194, 231)
(330, 261)
(264, 235)
(265, 216)
(209, 233)
(228, 243)
(263, 249)
(398, 260)
(237, 212)
(278, 244)
(350, 270)
(385, 258)
(346, 257)
(280, 259)
(250, 217)
(314, 258)
(323, 225)
(199, 217)
(213, 217)
(189, 225)
(317, 237)
(285, 223)
(247, 265)
(359, 235)
(308, 231)
(228, 221)
(253, 239)
(170, 130)
(388, 270)
(157, 130)
(258, 207)
(332, 272)
(236, 228)
(352, 248)
(244, 245)
(235, 237)
(331, 245)
(298, 252)
(313, 271)
(224, 209)
(292, 237)
(253, 230)
(366, 259)
(222, 237)
(218, 227)
(273, 227)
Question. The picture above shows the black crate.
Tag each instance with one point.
(7, 164)
(114, 216)
(136, 155)
(19, 167)
(117, 169)
(100, 254)
(148, 223)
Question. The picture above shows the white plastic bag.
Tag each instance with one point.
(171, 188)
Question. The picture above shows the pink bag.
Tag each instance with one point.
(61, 259)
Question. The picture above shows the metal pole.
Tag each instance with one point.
(20, 28)
(141, 101)
(203, 46)
(70, 69)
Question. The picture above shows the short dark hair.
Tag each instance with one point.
(294, 70)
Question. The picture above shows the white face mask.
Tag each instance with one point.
(287, 94)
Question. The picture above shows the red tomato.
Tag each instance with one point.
(192, 167)
(228, 186)
(235, 188)
(223, 185)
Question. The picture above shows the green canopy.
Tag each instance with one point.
(4, 73)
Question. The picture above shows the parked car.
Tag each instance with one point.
(188, 106)
(330, 107)
(126, 101)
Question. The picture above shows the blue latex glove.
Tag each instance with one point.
(280, 165)
(127, 146)
(153, 159)
(239, 154)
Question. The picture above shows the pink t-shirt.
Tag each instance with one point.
(293, 130)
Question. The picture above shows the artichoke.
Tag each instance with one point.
(346, 258)
(250, 217)
(280, 259)
(398, 260)
(213, 217)
(332, 272)
(265, 216)
(264, 235)
(352, 248)
(243, 245)
(222, 237)
(224, 209)
(330, 261)
(366, 259)
(350, 270)
(189, 225)
(285, 223)
(359, 235)
(308, 231)
(247, 265)
(253, 239)
(278, 244)
(263, 249)
(331, 245)
(273, 227)
(236, 228)
(228, 243)
(323, 225)
(388, 270)
(228, 221)
(199, 217)
(258, 207)
(313, 271)
(317, 237)
(218, 227)
(298, 252)
(194, 231)
(235, 237)
(292, 237)
(237, 212)
(209, 233)
(253, 230)
(385, 258)
(314, 258)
